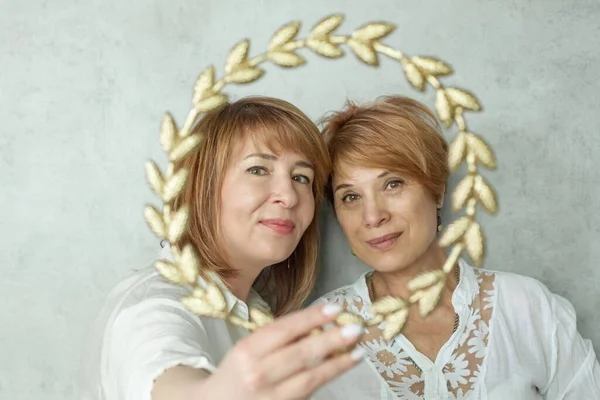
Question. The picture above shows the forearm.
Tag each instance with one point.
(181, 383)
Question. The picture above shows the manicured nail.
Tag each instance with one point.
(332, 309)
(358, 353)
(351, 331)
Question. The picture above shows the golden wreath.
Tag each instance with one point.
(465, 233)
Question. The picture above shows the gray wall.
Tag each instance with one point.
(84, 85)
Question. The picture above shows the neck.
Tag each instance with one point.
(241, 283)
(395, 283)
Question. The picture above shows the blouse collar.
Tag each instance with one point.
(463, 295)
(240, 307)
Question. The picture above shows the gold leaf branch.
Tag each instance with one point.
(450, 104)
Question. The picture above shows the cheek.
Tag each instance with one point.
(241, 198)
(307, 207)
(350, 222)
(423, 220)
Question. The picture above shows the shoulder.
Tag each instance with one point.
(143, 301)
(146, 285)
(526, 295)
(519, 285)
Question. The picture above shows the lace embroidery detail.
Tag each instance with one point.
(462, 371)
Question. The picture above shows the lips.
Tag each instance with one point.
(279, 225)
(384, 242)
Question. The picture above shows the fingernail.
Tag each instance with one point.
(332, 309)
(351, 331)
(358, 353)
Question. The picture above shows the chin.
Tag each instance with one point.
(274, 256)
(387, 262)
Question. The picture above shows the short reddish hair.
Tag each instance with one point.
(395, 133)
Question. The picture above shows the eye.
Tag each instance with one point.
(302, 179)
(257, 170)
(394, 184)
(349, 198)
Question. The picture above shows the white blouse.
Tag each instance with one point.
(515, 340)
(144, 329)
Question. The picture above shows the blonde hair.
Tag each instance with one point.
(395, 133)
(280, 126)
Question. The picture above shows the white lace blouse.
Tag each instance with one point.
(515, 341)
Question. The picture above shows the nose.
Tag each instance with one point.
(285, 193)
(375, 213)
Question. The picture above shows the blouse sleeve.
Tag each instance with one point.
(145, 340)
(574, 372)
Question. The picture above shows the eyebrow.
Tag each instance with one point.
(347, 185)
(272, 157)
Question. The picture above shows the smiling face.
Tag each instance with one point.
(389, 222)
(267, 203)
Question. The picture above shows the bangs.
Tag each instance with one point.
(280, 132)
(372, 153)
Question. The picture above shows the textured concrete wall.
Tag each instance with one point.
(83, 86)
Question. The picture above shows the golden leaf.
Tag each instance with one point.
(474, 242)
(175, 185)
(430, 298)
(211, 103)
(485, 195)
(432, 66)
(387, 304)
(346, 318)
(168, 270)
(260, 317)
(178, 224)
(482, 150)
(454, 231)
(286, 59)
(185, 147)
(374, 31)
(463, 98)
(204, 84)
(416, 296)
(394, 324)
(452, 258)
(200, 307)
(424, 280)
(189, 263)
(376, 320)
(168, 132)
(245, 75)
(462, 192)
(237, 56)
(444, 109)
(199, 292)
(215, 297)
(414, 76)
(155, 221)
(154, 177)
(242, 323)
(364, 52)
(456, 151)
(284, 35)
(327, 25)
(325, 48)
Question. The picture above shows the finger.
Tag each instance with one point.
(305, 353)
(305, 383)
(289, 328)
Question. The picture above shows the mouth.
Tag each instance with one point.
(279, 225)
(384, 242)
